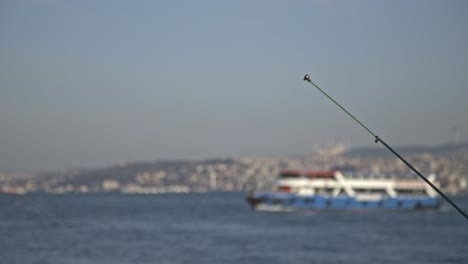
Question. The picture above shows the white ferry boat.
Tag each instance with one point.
(332, 190)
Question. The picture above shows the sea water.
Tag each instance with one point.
(217, 228)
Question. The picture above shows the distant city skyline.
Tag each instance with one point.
(89, 84)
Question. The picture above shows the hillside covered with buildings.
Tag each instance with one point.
(449, 163)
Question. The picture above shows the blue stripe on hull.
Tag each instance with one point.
(390, 203)
(315, 202)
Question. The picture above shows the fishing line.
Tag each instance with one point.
(299, 84)
(378, 139)
(39, 209)
(200, 204)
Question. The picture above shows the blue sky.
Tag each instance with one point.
(91, 83)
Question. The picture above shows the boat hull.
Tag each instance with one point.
(293, 202)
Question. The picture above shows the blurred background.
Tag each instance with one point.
(86, 84)
(207, 97)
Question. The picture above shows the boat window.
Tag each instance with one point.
(370, 190)
(341, 192)
(284, 189)
(324, 191)
(290, 175)
(321, 177)
(410, 192)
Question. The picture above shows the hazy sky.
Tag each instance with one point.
(91, 83)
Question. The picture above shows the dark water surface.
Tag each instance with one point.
(217, 228)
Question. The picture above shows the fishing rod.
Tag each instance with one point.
(378, 139)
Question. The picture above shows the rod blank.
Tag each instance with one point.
(378, 139)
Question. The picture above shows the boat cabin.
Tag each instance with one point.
(334, 183)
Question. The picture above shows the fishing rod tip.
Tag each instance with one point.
(307, 77)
